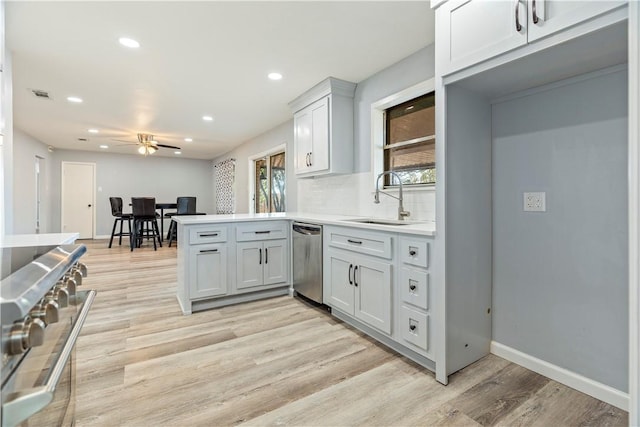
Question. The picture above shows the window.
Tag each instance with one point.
(269, 176)
(409, 141)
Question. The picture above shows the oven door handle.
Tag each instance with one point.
(21, 405)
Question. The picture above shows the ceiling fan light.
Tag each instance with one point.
(142, 149)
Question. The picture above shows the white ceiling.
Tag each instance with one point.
(195, 58)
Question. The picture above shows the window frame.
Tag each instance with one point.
(378, 120)
(282, 148)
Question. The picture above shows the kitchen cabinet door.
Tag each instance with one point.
(341, 289)
(275, 262)
(372, 281)
(208, 264)
(476, 30)
(249, 264)
(302, 126)
(319, 158)
(556, 15)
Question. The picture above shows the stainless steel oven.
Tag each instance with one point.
(42, 314)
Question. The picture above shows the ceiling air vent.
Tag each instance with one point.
(41, 93)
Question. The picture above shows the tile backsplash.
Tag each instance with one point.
(353, 195)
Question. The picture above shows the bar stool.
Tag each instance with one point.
(145, 222)
(116, 211)
(185, 206)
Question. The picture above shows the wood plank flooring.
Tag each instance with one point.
(140, 362)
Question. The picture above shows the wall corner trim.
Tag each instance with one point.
(578, 382)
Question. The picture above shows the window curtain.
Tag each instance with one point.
(225, 173)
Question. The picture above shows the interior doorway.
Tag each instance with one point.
(78, 198)
(39, 166)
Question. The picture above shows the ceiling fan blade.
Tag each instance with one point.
(167, 146)
(125, 141)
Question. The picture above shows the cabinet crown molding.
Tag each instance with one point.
(328, 86)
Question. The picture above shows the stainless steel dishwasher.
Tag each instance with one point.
(307, 260)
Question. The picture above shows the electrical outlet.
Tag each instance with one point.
(535, 202)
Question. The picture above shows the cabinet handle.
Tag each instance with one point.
(518, 26)
(263, 232)
(311, 158)
(355, 271)
(533, 12)
(204, 251)
(356, 242)
(412, 328)
(412, 287)
(260, 252)
(266, 255)
(350, 268)
(412, 252)
(208, 235)
(308, 159)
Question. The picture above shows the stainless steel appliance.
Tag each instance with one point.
(307, 260)
(42, 315)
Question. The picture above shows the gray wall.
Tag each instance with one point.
(413, 69)
(560, 277)
(129, 176)
(26, 148)
(281, 134)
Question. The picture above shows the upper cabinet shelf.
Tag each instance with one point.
(479, 30)
(323, 129)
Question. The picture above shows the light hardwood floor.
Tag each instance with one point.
(140, 362)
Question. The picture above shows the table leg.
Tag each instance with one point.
(161, 223)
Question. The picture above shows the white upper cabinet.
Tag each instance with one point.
(477, 30)
(323, 129)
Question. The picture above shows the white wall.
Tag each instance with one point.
(6, 157)
(281, 134)
(25, 150)
(352, 194)
(560, 283)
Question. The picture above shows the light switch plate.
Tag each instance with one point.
(535, 202)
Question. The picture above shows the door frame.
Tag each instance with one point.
(93, 201)
(250, 162)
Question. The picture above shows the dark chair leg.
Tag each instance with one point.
(157, 231)
(172, 232)
(132, 238)
(113, 230)
(121, 224)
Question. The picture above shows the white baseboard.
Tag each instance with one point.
(588, 386)
(105, 236)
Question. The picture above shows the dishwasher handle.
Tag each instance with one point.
(307, 229)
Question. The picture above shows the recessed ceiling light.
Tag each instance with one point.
(207, 118)
(188, 140)
(74, 99)
(126, 41)
(104, 146)
(93, 131)
(275, 76)
(177, 152)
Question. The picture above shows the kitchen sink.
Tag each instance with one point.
(381, 221)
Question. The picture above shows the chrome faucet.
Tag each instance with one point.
(376, 199)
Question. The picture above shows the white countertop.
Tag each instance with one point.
(50, 239)
(425, 228)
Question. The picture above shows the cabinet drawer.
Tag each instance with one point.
(414, 327)
(207, 234)
(414, 287)
(365, 242)
(263, 230)
(414, 251)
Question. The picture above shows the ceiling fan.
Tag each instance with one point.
(148, 145)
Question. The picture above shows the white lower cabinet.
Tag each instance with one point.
(209, 270)
(261, 263)
(414, 327)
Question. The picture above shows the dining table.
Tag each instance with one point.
(162, 207)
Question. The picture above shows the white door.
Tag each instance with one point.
(249, 265)
(209, 274)
(341, 288)
(302, 138)
(372, 280)
(78, 198)
(275, 261)
(319, 159)
(39, 162)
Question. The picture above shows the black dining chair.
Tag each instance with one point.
(185, 206)
(119, 217)
(145, 221)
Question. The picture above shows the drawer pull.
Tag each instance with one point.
(412, 287)
(263, 232)
(355, 242)
(412, 327)
(204, 251)
(208, 235)
(413, 252)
